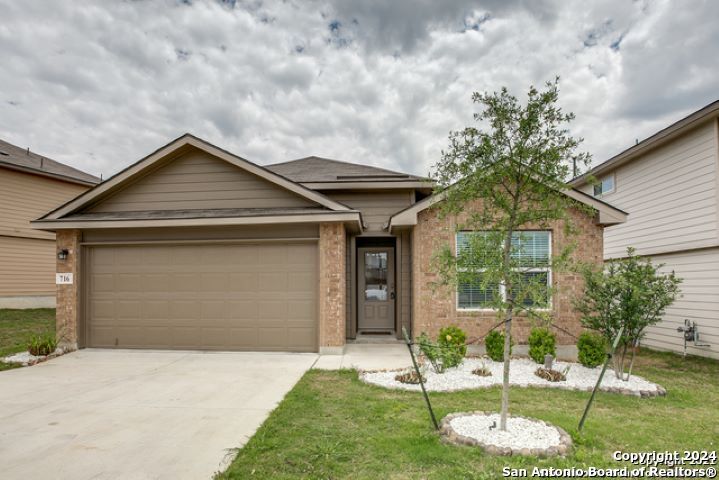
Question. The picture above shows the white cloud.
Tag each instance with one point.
(99, 85)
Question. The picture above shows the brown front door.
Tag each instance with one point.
(375, 288)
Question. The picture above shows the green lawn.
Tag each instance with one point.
(333, 426)
(17, 326)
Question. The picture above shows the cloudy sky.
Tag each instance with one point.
(98, 85)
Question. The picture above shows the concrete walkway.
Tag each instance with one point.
(367, 357)
(107, 414)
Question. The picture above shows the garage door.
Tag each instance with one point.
(207, 297)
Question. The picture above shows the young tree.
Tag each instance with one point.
(499, 181)
(629, 293)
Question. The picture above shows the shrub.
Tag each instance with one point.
(453, 338)
(591, 349)
(541, 342)
(494, 343)
(42, 345)
(447, 352)
(628, 294)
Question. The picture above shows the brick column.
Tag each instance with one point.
(333, 287)
(67, 315)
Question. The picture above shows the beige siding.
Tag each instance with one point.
(27, 267)
(671, 196)
(245, 232)
(376, 206)
(197, 180)
(699, 302)
(25, 197)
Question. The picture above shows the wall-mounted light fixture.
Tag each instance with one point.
(62, 254)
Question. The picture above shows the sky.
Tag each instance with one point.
(99, 85)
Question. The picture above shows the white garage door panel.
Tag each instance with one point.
(217, 297)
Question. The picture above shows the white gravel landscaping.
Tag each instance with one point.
(524, 436)
(25, 358)
(521, 374)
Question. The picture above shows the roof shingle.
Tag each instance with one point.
(13, 156)
(317, 169)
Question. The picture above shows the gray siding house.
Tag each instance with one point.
(669, 185)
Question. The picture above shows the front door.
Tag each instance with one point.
(375, 289)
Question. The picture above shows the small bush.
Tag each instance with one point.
(591, 349)
(541, 342)
(494, 343)
(451, 341)
(40, 345)
(447, 352)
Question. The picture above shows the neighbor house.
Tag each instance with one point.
(670, 186)
(30, 185)
(194, 247)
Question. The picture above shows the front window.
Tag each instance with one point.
(605, 186)
(531, 252)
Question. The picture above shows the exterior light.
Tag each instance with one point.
(62, 254)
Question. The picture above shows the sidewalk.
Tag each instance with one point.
(367, 357)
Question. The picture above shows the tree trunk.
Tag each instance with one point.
(619, 363)
(505, 376)
(631, 363)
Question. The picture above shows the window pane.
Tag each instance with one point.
(608, 184)
(534, 291)
(473, 240)
(470, 294)
(605, 185)
(531, 249)
(375, 276)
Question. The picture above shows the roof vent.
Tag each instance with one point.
(4, 153)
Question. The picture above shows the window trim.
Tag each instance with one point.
(502, 292)
(601, 181)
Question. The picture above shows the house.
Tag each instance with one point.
(669, 183)
(30, 185)
(194, 247)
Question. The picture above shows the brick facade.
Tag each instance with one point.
(333, 288)
(68, 299)
(434, 309)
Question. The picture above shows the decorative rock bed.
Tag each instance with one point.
(524, 436)
(521, 374)
(27, 359)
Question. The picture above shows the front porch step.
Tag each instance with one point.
(375, 338)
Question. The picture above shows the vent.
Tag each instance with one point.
(4, 153)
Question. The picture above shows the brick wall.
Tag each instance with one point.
(68, 307)
(333, 288)
(435, 308)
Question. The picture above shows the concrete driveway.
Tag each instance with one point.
(101, 414)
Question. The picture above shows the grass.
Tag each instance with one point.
(18, 326)
(331, 425)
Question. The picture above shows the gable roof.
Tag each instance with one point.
(126, 176)
(607, 214)
(16, 158)
(661, 137)
(325, 173)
